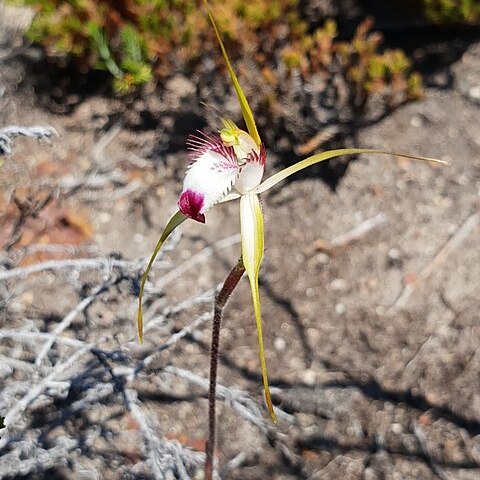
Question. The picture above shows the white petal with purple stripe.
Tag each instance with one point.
(209, 178)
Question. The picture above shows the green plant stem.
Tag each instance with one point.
(220, 301)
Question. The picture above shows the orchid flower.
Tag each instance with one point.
(227, 166)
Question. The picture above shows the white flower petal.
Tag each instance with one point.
(251, 173)
(208, 179)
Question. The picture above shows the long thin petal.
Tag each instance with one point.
(246, 110)
(251, 224)
(173, 223)
(320, 157)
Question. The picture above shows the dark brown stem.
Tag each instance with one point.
(220, 301)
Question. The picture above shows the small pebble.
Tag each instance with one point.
(309, 377)
(104, 217)
(416, 121)
(322, 258)
(397, 428)
(394, 258)
(338, 284)
(340, 308)
(279, 343)
(474, 92)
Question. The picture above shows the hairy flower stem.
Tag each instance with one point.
(220, 301)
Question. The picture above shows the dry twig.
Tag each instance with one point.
(351, 236)
(8, 134)
(452, 245)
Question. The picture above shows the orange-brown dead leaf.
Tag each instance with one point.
(55, 224)
(194, 443)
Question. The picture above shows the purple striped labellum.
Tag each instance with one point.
(218, 163)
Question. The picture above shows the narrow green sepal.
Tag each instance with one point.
(173, 223)
(321, 157)
(251, 225)
(242, 99)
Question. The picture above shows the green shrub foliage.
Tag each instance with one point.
(139, 40)
(452, 11)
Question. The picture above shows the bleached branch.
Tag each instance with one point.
(68, 319)
(37, 390)
(103, 263)
(8, 134)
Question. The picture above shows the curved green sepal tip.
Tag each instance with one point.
(242, 99)
(320, 157)
(173, 223)
(251, 224)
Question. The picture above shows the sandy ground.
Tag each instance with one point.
(370, 300)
